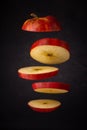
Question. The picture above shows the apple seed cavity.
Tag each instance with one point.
(49, 54)
(36, 69)
(44, 102)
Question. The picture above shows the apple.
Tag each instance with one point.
(41, 24)
(37, 72)
(50, 51)
(44, 105)
(51, 87)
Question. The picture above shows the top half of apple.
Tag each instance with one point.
(41, 24)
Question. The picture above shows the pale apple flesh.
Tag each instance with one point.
(50, 51)
(44, 105)
(50, 90)
(51, 87)
(42, 24)
(37, 72)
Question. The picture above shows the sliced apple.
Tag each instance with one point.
(44, 105)
(41, 24)
(37, 72)
(51, 87)
(50, 51)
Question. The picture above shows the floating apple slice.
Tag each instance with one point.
(51, 87)
(41, 24)
(37, 72)
(44, 105)
(50, 51)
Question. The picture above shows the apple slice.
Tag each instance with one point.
(41, 24)
(51, 87)
(44, 105)
(50, 51)
(37, 72)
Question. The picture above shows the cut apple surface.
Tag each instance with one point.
(37, 72)
(44, 105)
(51, 87)
(50, 51)
(41, 24)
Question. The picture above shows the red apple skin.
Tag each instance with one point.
(37, 76)
(42, 24)
(44, 110)
(56, 85)
(50, 41)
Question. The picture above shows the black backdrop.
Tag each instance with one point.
(15, 45)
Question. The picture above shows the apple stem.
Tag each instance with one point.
(34, 15)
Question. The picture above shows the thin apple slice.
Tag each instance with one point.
(44, 105)
(50, 51)
(51, 87)
(37, 72)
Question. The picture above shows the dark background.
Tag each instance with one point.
(15, 45)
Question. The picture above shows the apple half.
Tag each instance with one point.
(50, 51)
(51, 87)
(37, 72)
(41, 24)
(44, 105)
